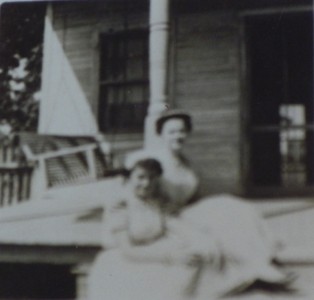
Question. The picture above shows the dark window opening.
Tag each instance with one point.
(36, 281)
(281, 129)
(123, 81)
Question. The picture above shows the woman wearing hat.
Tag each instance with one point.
(179, 183)
(149, 255)
(152, 255)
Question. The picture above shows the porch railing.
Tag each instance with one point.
(25, 174)
(9, 151)
(88, 156)
(15, 175)
(15, 184)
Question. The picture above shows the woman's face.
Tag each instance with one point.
(174, 134)
(143, 183)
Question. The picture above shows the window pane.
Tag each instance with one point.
(137, 58)
(136, 48)
(135, 69)
(123, 81)
(292, 144)
(135, 94)
(115, 95)
(113, 60)
(126, 116)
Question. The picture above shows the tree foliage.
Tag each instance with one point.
(21, 39)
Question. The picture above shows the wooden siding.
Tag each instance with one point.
(207, 85)
(15, 174)
(78, 27)
(205, 79)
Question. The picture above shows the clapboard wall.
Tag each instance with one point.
(204, 77)
(207, 72)
(78, 26)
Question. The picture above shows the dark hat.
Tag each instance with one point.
(173, 114)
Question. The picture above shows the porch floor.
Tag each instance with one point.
(292, 220)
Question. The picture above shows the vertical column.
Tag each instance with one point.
(91, 163)
(81, 271)
(158, 65)
(39, 183)
(45, 108)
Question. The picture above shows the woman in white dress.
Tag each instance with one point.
(148, 254)
(245, 244)
(212, 247)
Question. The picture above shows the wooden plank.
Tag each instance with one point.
(5, 186)
(1, 189)
(20, 188)
(81, 53)
(83, 75)
(10, 187)
(15, 188)
(207, 21)
(77, 29)
(47, 254)
(219, 90)
(78, 33)
(66, 151)
(207, 85)
(28, 185)
(90, 157)
(276, 10)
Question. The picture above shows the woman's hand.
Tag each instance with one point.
(197, 243)
(206, 251)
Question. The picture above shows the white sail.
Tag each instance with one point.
(64, 108)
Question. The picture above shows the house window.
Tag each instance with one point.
(281, 128)
(292, 144)
(123, 81)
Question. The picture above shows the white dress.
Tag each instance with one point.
(225, 221)
(117, 275)
(246, 246)
(157, 276)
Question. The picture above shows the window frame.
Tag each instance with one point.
(248, 187)
(120, 84)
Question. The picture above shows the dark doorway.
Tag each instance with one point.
(36, 281)
(281, 127)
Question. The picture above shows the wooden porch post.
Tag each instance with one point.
(158, 66)
(81, 272)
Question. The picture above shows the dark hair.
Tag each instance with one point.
(173, 115)
(148, 164)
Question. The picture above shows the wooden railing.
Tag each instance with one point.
(15, 175)
(40, 180)
(9, 151)
(15, 184)
(25, 174)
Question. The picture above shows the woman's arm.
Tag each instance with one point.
(113, 223)
(181, 244)
(164, 250)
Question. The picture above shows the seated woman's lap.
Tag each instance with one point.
(115, 277)
(234, 223)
